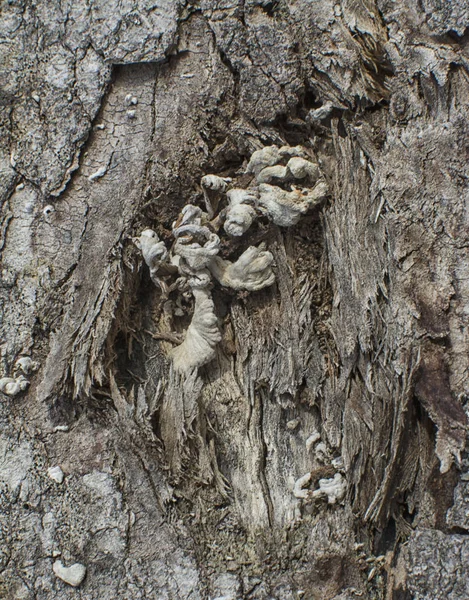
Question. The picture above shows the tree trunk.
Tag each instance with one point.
(188, 485)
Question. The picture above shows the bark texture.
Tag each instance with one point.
(181, 486)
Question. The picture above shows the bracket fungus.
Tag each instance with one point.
(195, 256)
(252, 271)
(286, 208)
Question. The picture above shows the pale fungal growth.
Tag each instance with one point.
(26, 364)
(214, 182)
(301, 168)
(190, 215)
(333, 489)
(286, 208)
(298, 489)
(195, 256)
(12, 387)
(321, 453)
(320, 113)
(156, 257)
(213, 186)
(277, 173)
(252, 271)
(202, 336)
(153, 249)
(290, 151)
(72, 575)
(131, 100)
(293, 424)
(47, 211)
(338, 463)
(98, 174)
(56, 474)
(313, 438)
(266, 157)
(240, 212)
(296, 168)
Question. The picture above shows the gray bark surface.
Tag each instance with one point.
(181, 487)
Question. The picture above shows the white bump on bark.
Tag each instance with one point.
(61, 428)
(320, 452)
(298, 489)
(47, 211)
(131, 100)
(56, 474)
(12, 387)
(301, 168)
(293, 424)
(97, 174)
(338, 463)
(26, 365)
(313, 438)
(72, 575)
(289, 151)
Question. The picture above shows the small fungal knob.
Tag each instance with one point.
(47, 211)
(333, 489)
(56, 474)
(266, 157)
(72, 575)
(12, 387)
(26, 365)
(131, 100)
(97, 174)
(214, 182)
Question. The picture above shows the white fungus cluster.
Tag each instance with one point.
(284, 186)
(333, 489)
(11, 386)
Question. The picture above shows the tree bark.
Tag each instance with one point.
(181, 486)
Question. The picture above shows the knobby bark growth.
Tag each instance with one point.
(201, 484)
